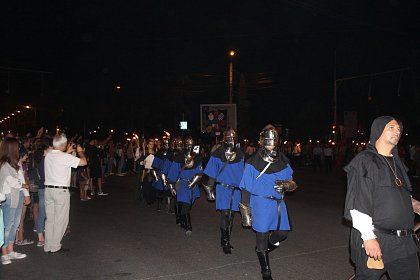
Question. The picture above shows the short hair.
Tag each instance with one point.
(59, 139)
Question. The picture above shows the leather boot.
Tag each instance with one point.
(177, 213)
(265, 265)
(271, 247)
(225, 241)
(183, 221)
(159, 204)
(188, 226)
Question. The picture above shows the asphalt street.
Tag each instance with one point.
(116, 237)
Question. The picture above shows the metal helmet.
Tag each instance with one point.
(178, 144)
(230, 139)
(188, 145)
(165, 141)
(269, 137)
(188, 152)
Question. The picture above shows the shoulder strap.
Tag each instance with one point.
(221, 169)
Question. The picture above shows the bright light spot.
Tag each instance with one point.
(27, 107)
(12, 114)
(310, 141)
(406, 134)
(352, 141)
(317, 141)
(18, 112)
(126, 133)
(285, 142)
(94, 131)
(333, 143)
(333, 131)
(112, 130)
(232, 53)
(128, 139)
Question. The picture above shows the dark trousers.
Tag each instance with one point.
(401, 269)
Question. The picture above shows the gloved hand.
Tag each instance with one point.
(283, 186)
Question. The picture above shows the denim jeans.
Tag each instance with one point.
(40, 223)
(1, 227)
(11, 218)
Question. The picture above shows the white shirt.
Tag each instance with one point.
(58, 168)
(15, 183)
(148, 161)
(363, 223)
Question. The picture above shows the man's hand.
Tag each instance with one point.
(79, 149)
(373, 249)
(70, 148)
(416, 206)
(40, 132)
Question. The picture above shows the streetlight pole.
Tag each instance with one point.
(231, 54)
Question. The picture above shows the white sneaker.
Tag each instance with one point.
(16, 255)
(102, 193)
(5, 260)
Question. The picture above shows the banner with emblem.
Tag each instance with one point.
(215, 118)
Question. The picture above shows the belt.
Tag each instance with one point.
(58, 187)
(397, 232)
(268, 197)
(228, 186)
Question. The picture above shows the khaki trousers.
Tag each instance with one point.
(57, 206)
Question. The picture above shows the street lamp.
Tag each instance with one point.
(231, 54)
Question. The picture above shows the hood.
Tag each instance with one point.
(376, 130)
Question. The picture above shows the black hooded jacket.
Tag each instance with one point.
(371, 189)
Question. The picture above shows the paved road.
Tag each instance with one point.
(116, 237)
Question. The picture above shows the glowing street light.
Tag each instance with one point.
(231, 54)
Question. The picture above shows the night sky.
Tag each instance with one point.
(171, 56)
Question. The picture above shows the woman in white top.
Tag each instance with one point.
(12, 185)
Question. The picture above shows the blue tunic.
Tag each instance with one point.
(176, 171)
(166, 166)
(264, 210)
(157, 164)
(230, 175)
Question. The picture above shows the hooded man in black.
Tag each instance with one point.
(379, 205)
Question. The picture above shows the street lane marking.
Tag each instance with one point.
(245, 262)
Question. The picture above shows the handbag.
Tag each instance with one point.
(32, 186)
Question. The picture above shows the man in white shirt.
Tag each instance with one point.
(58, 165)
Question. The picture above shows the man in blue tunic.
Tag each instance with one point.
(225, 169)
(158, 165)
(267, 175)
(183, 176)
(175, 149)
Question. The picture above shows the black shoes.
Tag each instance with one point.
(61, 251)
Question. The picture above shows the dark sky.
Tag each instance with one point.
(171, 56)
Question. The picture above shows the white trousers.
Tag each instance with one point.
(57, 207)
